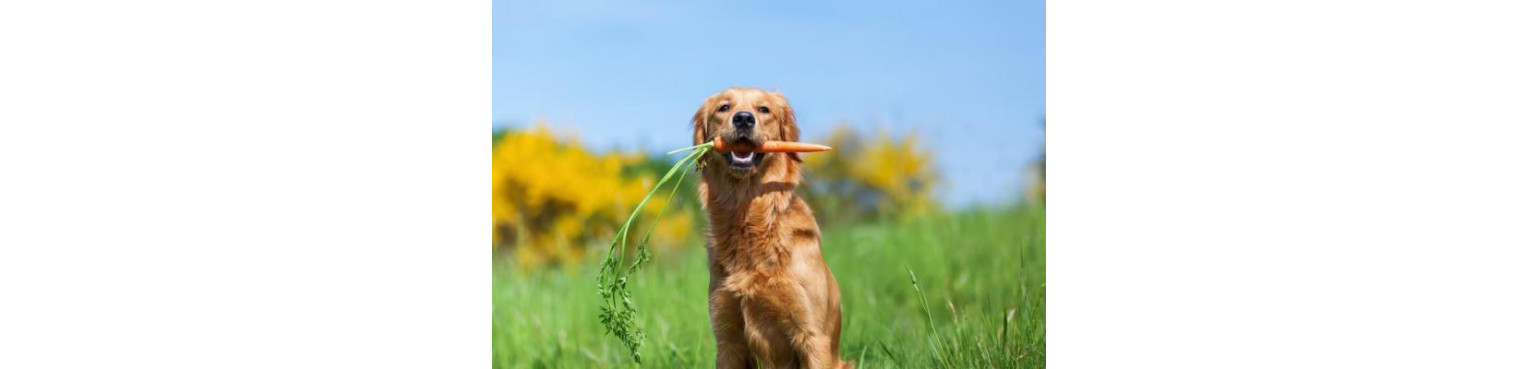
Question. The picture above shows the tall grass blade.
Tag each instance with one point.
(930, 318)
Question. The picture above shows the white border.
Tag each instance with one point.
(1293, 184)
(244, 185)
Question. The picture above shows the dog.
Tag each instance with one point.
(773, 301)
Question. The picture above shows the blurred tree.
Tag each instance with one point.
(861, 180)
(1036, 190)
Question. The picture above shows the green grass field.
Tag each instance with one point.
(983, 273)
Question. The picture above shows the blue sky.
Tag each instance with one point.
(968, 77)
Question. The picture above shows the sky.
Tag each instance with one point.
(968, 78)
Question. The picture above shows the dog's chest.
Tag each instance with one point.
(739, 249)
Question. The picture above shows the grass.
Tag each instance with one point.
(960, 290)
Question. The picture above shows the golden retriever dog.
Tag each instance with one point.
(773, 302)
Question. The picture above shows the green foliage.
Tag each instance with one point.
(618, 310)
(987, 268)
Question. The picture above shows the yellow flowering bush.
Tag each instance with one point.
(880, 177)
(551, 199)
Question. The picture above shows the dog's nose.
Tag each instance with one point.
(743, 120)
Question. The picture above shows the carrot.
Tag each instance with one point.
(775, 146)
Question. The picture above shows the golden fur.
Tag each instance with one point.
(773, 301)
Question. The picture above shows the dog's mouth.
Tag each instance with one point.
(743, 159)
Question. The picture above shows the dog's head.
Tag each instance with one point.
(745, 116)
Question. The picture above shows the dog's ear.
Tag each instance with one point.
(699, 126)
(789, 131)
(700, 117)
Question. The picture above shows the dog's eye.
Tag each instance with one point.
(723, 108)
(763, 109)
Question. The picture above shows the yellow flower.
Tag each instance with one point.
(871, 178)
(551, 199)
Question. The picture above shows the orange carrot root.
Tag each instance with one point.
(775, 146)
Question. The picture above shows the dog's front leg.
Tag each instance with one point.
(812, 349)
(726, 321)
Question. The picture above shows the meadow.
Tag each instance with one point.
(980, 299)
